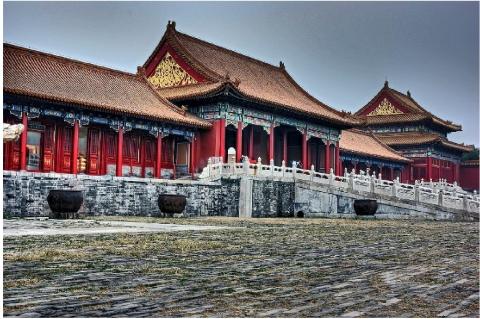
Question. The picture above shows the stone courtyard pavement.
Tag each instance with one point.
(255, 268)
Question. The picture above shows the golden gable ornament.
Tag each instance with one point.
(385, 108)
(168, 73)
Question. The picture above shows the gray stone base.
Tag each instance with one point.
(24, 195)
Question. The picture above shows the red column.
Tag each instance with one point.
(119, 152)
(23, 143)
(192, 156)
(173, 158)
(327, 157)
(216, 128)
(392, 177)
(271, 145)
(75, 147)
(429, 168)
(457, 173)
(222, 140)
(338, 171)
(239, 141)
(250, 144)
(304, 151)
(285, 147)
(158, 163)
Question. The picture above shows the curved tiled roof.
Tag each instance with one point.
(37, 74)
(418, 138)
(415, 111)
(255, 79)
(189, 91)
(366, 144)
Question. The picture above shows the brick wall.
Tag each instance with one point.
(25, 194)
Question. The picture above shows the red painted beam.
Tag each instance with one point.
(75, 147)
(119, 152)
(23, 143)
(239, 141)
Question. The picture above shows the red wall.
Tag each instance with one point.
(469, 177)
(209, 143)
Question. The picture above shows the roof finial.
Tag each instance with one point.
(171, 24)
(386, 83)
(409, 94)
(282, 66)
(140, 71)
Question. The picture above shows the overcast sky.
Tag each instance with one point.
(340, 52)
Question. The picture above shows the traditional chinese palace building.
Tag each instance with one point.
(193, 100)
(400, 122)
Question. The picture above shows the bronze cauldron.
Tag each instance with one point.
(365, 207)
(170, 204)
(65, 203)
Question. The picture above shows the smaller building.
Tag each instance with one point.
(400, 122)
(361, 150)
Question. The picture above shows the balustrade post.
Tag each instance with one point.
(465, 202)
(331, 177)
(283, 168)
(246, 165)
(394, 187)
(417, 193)
(351, 180)
(259, 166)
(272, 167)
(209, 166)
(440, 197)
(312, 172)
(372, 184)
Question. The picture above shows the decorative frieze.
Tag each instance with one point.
(233, 114)
(85, 119)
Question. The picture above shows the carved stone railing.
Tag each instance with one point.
(439, 193)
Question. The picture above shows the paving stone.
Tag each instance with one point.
(254, 268)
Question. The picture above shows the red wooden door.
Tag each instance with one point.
(11, 155)
(109, 147)
(11, 150)
(64, 149)
(131, 155)
(49, 147)
(94, 166)
(149, 146)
